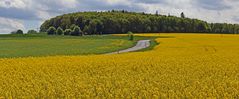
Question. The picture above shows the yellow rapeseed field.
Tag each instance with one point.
(181, 66)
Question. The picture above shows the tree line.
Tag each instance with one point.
(113, 22)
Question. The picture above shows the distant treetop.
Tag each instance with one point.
(122, 21)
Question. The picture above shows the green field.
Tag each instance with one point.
(43, 45)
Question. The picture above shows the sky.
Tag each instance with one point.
(30, 14)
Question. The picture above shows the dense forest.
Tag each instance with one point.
(123, 21)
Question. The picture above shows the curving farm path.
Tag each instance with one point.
(141, 44)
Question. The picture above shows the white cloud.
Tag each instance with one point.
(115, 2)
(13, 4)
(226, 12)
(8, 25)
(43, 14)
(40, 10)
(69, 3)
